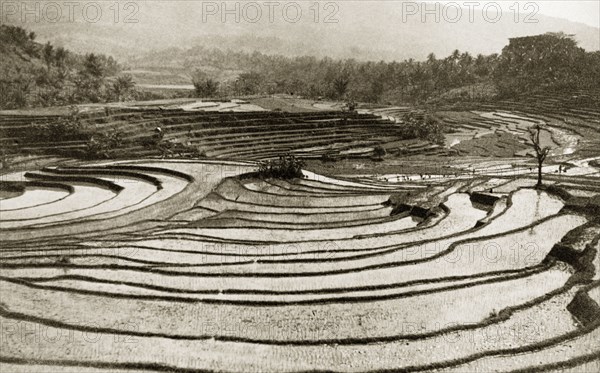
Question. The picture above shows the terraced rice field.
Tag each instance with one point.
(250, 134)
(175, 265)
(148, 264)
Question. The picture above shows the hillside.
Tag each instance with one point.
(33, 74)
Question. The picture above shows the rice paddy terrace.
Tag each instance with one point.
(239, 130)
(151, 264)
(501, 128)
(226, 135)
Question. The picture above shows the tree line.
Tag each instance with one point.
(528, 64)
(34, 74)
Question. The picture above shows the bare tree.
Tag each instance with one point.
(540, 153)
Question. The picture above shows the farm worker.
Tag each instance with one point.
(159, 132)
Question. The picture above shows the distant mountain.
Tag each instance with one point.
(373, 31)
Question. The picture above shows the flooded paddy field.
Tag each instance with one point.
(273, 270)
(433, 258)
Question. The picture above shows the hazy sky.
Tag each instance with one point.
(584, 11)
(587, 12)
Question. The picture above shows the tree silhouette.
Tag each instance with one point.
(60, 56)
(93, 66)
(540, 153)
(340, 84)
(48, 54)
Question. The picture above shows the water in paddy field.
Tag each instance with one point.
(167, 86)
(560, 141)
(32, 197)
(233, 105)
(568, 142)
(362, 266)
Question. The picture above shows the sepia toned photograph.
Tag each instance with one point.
(374, 186)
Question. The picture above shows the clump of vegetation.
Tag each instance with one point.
(248, 83)
(379, 152)
(122, 87)
(286, 167)
(541, 62)
(204, 86)
(69, 129)
(493, 315)
(423, 127)
(103, 145)
(41, 75)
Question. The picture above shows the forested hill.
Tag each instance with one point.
(33, 74)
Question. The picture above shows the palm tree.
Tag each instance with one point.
(466, 59)
(93, 66)
(431, 58)
(455, 55)
(340, 84)
(122, 86)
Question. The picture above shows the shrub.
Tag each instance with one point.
(103, 145)
(122, 87)
(67, 129)
(204, 86)
(379, 151)
(423, 127)
(286, 167)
